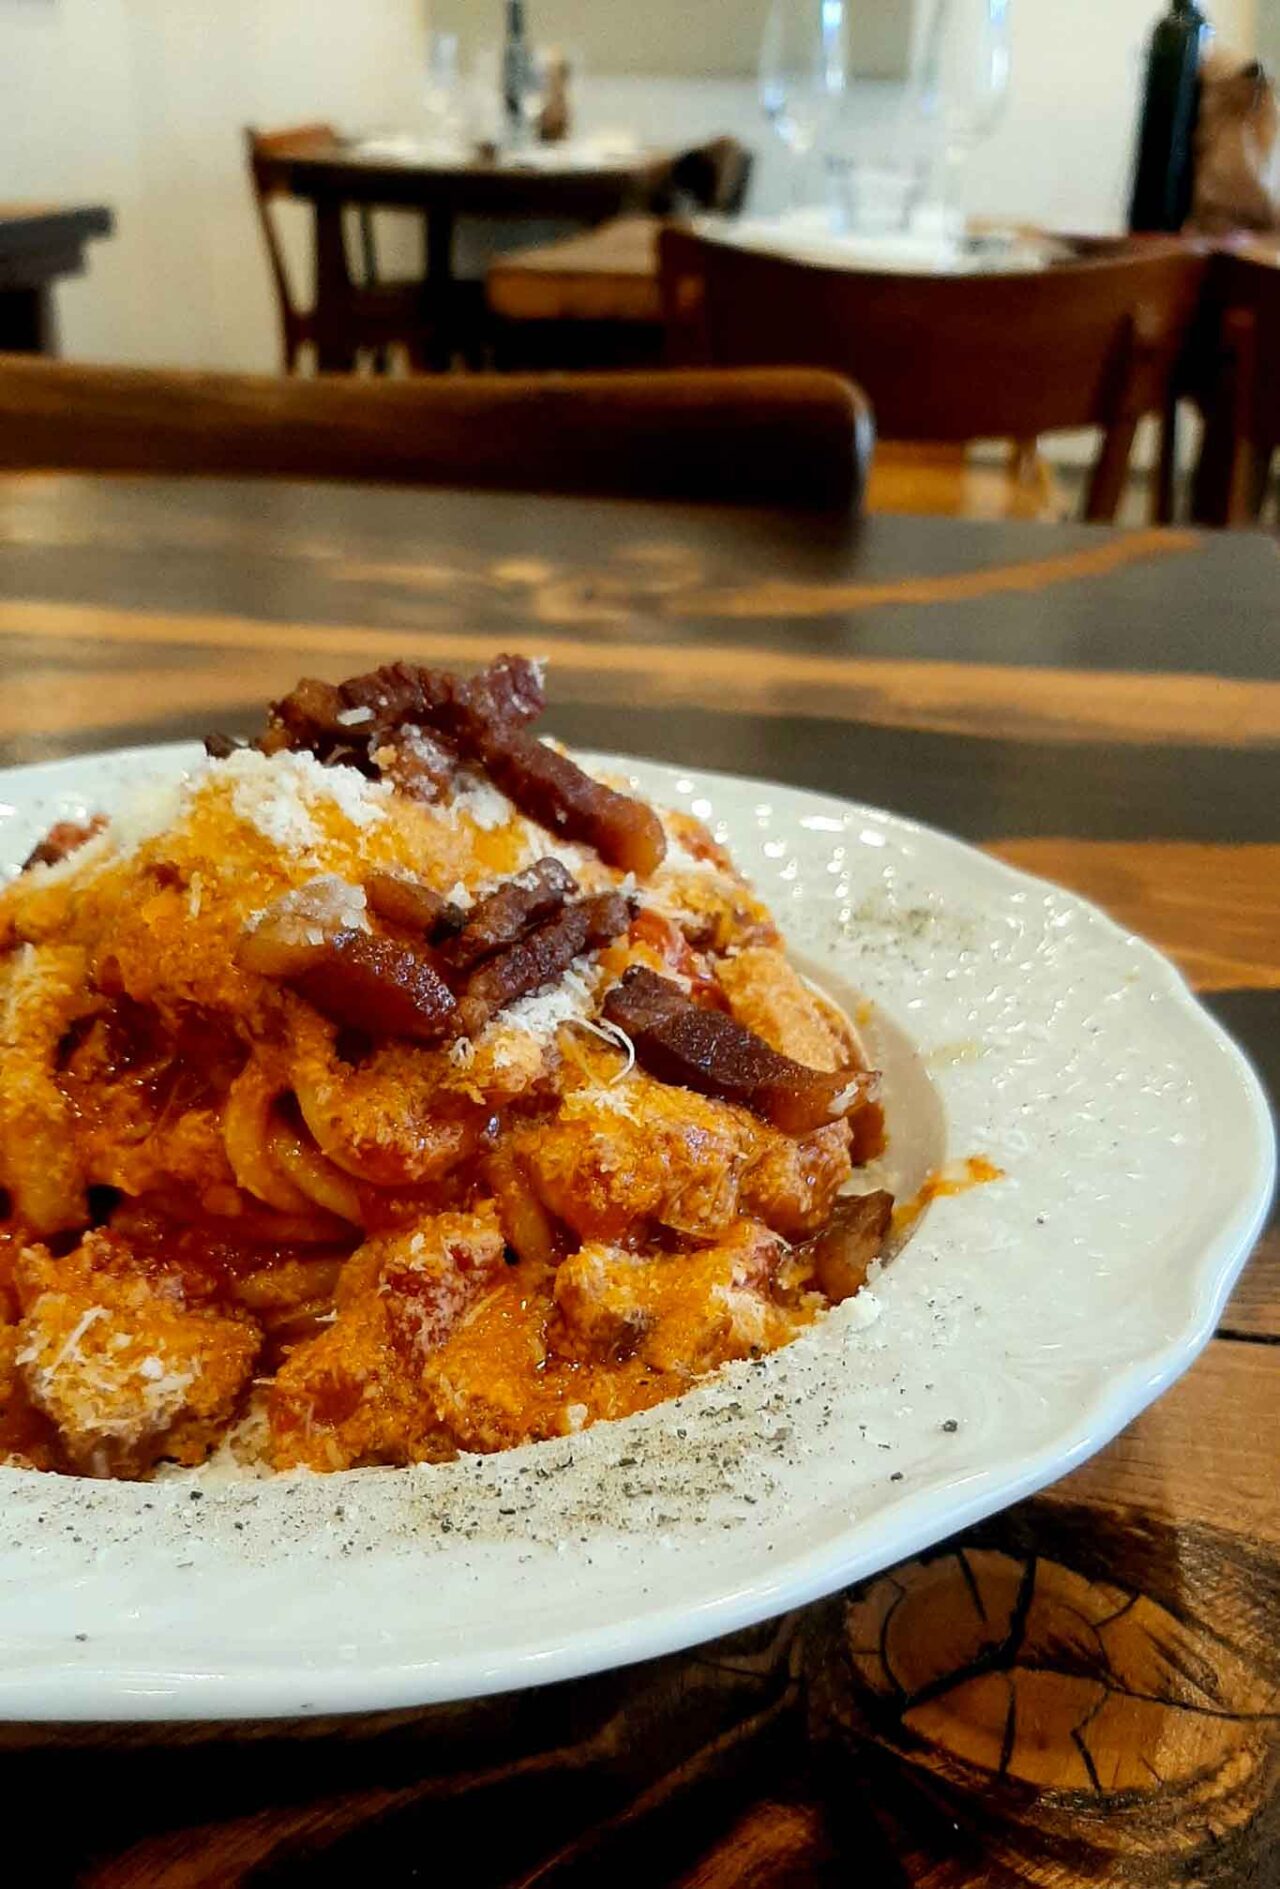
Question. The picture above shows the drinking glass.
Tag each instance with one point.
(961, 80)
(442, 97)
(802, 73)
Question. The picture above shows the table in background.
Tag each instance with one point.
(39, 243)
(445, 189)
(611, 273)
(1098, 706)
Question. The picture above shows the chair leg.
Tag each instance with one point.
(1263, 467)
(1226, 477)
(1163, 494)
(1110, 473)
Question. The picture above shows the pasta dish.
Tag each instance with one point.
(393, 1087)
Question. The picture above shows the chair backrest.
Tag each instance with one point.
(940, 357)
(263, 149)
(713, 176)
(772, 437)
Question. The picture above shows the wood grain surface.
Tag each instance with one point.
(1084, 1690)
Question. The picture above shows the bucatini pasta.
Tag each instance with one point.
(391, 1088)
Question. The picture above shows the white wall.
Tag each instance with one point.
(139, 104)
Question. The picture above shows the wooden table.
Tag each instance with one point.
(39, 243)
(328, 176)
(1098, 706)
(611, 273)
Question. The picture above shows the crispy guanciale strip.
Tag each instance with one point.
(520, 903)
(377, 985)
(419, 764)
(350, 722)
(413, 906)
(541, 957)
(553, 790)
(307, 718)
(680, 1042)
(67, 836)
(855, 1235)
(410, 723)
(508, 694)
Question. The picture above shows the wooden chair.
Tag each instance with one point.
(712, 177)
(381, 315)
(953, 358)
(789, 438)
(1238, 387)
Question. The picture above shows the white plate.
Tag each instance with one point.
(1024, 1324)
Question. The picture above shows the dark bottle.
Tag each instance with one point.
(515, 73)
(1165, 175)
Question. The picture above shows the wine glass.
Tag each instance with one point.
(961, 80)
(802, 73)
(442, 104)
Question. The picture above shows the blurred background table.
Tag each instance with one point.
(39, 244)
(612, 272)
(576, 184)
(1099, 706)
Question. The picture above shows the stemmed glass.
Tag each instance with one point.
(802, 74)
(961, 80)
(441, 94)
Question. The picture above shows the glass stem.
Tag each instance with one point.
(800, 170)
(950, 179)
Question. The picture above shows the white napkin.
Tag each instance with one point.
(576, 153)
(935, 244)
(808, 236)
(401, 148)
(571, 154)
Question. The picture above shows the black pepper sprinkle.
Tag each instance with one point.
(82, 1637)
(896, 1476)
(951, 1426)
(197, 1495)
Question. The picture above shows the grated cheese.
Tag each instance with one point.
(541, 1014)
(111, 1396)
(70, 1352)
(680, 859)
(482, 803)
(614, 1034)
(278, 795)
